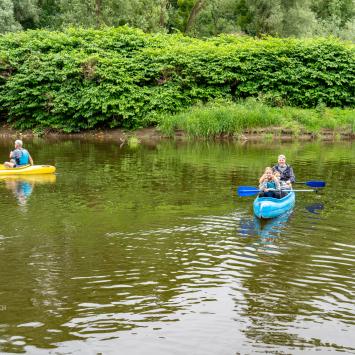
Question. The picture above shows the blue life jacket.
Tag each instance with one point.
(270, 185)
(24, 158)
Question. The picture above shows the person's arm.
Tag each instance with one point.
(277, 183)
(262, 186)
(15, 154)
(31, 160)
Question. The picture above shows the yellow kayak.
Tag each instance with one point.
(27, 170)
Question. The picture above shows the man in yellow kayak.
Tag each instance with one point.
(19, 156)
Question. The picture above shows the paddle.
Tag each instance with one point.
(243, 191)
(315, 184)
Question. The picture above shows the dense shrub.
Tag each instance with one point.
(121, 77)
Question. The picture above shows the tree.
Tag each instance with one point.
(328, 9)
(284, 18)
(148, 15)
(298, 18)
(195, 10)
(27, 13)
(266, 17)
(184, 13)
(216, 16)
(78, 12)
(8, 22)
(50, 15)
(145, 14)
(349, 31)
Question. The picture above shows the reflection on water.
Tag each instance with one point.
(271, 227)
(148, 250)
(315, 208)
(269, 230)
(263, 233)
(22, 190)
(22, 186)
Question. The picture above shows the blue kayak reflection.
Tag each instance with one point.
(267, 232)
(22, 186)
(272, 226)
(264, 227)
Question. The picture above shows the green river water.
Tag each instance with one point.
(148, 250)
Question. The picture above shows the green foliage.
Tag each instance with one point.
(223, 117)
(147, 15)
(120, 77)
(282, 18)
(8, 22)
(27, 12)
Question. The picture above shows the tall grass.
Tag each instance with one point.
(225, 117)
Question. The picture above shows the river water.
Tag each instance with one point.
(147, 249)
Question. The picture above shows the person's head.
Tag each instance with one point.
(281, 160)
(277, 175)
(18, 143)
(268, 173)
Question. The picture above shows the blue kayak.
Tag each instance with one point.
(270, 207)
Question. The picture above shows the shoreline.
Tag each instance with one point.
(153, 134)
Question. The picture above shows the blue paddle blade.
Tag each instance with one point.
(315, 183)
(243, 191)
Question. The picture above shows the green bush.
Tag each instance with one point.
(121, 77)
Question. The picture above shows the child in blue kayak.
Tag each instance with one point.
(285, 186)
(269, 184)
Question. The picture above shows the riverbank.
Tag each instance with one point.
(79, 80)
(247, 120)
(154, 134)
(254, 117)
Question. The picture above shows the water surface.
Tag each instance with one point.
(148, 249)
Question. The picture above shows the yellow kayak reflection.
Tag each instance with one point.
(22, 185)
(37, 179)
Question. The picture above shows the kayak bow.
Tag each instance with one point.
(270, 207)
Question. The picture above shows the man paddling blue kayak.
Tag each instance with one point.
(286, 172)
(19, 156)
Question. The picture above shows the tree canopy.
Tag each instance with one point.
(199, 18)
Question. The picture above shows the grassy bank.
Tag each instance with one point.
(228, 118)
